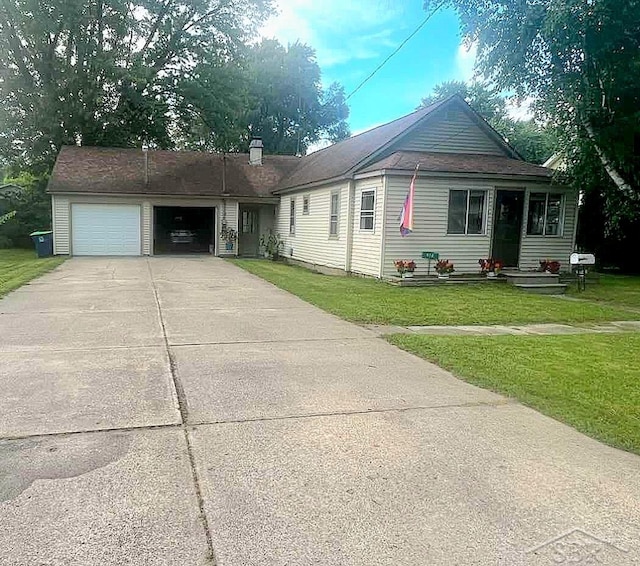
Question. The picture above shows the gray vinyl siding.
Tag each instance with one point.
(60, 213)
(430, 220)
(312, 242)
(453, 131)
(366, 254)
(147, 228)
(533, 249)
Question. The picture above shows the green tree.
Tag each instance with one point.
(532, 140)
(30, 210)
(580, 59)
(289, 108)
(107, 72)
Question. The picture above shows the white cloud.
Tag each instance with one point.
(339, 30)
(466, 61)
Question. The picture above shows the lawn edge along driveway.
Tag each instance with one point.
(18, 267)
(370, 301)
(589, 382)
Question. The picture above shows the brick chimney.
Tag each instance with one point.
(255, 151)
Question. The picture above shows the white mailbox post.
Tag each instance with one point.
(579, 262)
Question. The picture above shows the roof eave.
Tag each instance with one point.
(313, 185)
(452, 174)
(266, 199)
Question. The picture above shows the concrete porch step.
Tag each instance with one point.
(542, 288)
(531, 278)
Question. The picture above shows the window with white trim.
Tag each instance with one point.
(334, 214)
(467, 211)
(545, 214)
(367, 210)
(292, 217)
(305, 204)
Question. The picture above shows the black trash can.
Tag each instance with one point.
(43, 242)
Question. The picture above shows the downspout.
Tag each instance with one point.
(383, 240)
(350, 213)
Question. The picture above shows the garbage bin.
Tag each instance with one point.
(43, 242)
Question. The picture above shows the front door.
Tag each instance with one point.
(249, 236)
(507, 226)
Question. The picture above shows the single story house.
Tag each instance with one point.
(339, 208)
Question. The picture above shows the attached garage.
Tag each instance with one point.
(105, 229)
(130, 202)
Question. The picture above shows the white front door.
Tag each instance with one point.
(105, 229)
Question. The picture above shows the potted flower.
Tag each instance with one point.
(490, 267)
(405, 267)
(550, 266)
(444, 268)
(271, 245)
(228, 236)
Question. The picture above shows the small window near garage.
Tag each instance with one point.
(367, 210)
(466, 212)
(292, 217)
(249, 218)
(305, 204)
(545, 214)
(333, 215)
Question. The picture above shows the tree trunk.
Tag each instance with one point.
(613, 173)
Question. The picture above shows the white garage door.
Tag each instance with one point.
(105, 229)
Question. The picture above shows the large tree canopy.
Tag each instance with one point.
(274, 92)
(533, 141)
(108, 72)
(290, 109)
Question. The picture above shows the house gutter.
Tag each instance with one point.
(313, 185)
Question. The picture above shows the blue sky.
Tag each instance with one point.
(352, 37)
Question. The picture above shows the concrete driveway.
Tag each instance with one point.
(179, 411)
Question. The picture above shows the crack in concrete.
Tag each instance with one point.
(193, 425)
(470, 405)
(184, 416)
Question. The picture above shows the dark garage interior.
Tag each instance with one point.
(183, 230)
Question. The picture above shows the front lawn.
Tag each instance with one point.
(17, 267)
(591, 382)
(368, 301)
(620, 290)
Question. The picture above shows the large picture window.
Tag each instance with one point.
(333, 215)
(367, 210)
(466, 212)
(545, 214)
(292, 217)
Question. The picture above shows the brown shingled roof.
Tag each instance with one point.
(182, 173)
(458, 163)
(340, 159)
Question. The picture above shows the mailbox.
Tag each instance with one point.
(582, 259)
(580, 262)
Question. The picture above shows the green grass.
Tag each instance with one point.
(619, 290)
(368, 301)
(600, 396)
(17, 267)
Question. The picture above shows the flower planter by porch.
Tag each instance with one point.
(229, 246)
(407, 275)
(443, 276)
(492, 274)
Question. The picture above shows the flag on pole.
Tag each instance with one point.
(406, 218)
